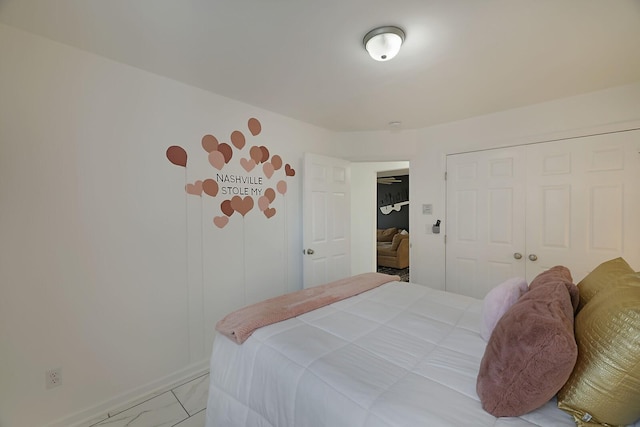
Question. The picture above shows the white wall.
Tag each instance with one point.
(613, 109)
(364, 205)
(107, 268)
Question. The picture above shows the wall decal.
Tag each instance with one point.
(237, 139)
(177, 155)
(282, 187)
(217, 159)
(226, 208)
(289, 170)
(220, 221)
(254, 126)
(242, 187)
(210, 187)
(209, 143)
(195, 188)
(242, 205)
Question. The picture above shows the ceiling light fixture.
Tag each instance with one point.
(383, 43)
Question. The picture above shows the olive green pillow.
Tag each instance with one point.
(604, 276)
(604, 387)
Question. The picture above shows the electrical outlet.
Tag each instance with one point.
(53, 378)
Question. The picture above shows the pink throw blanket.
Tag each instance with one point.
(240, 324)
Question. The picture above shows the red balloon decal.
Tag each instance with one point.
(254, 126)
(177, 155)
(226, 151)
(226, 208)
(265, 153)
(289, 171)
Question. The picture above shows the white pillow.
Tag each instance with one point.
(498, 301)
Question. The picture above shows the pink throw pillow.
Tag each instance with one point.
(532, 350)
(498, 301)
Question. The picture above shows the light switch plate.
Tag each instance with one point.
(427, 209)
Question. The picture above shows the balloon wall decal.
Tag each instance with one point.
(282, 187)
(254, 126)
(270, 194)
(241, 193)
(209, 143)
(226, 208)
(256, 154)
(177, 156)
(210, 187)
(268, 169)
(237, 139)
(276, 161)
(226, 151)
(265, 153)
(263, 203)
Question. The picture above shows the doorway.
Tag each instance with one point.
(392, 223)
(364, 205)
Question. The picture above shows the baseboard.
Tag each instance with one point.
(102, 411)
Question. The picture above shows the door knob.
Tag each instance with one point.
(310, 252)
(533, 257)
(517, 255)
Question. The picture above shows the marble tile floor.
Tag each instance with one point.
(183, 406)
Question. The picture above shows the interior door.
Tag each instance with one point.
(485, 230)
(326, 219)
(583, 203)
(573, 202)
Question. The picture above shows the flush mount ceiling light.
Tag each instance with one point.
(383, 43)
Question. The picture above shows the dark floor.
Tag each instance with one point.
(402, 272)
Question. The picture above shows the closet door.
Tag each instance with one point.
(485, 219)
(573, 202)
(583, 203)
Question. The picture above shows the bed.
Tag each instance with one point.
(400, 355)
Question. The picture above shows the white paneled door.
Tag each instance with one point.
(484, 221)
(583, 199)
(518, 211)
(326, 219)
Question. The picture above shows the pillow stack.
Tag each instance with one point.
(604, 388)
(532, 350)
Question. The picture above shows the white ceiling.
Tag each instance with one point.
(304, 59)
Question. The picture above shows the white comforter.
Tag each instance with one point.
(399, 355)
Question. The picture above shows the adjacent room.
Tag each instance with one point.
(340, 213)
(392, 223)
